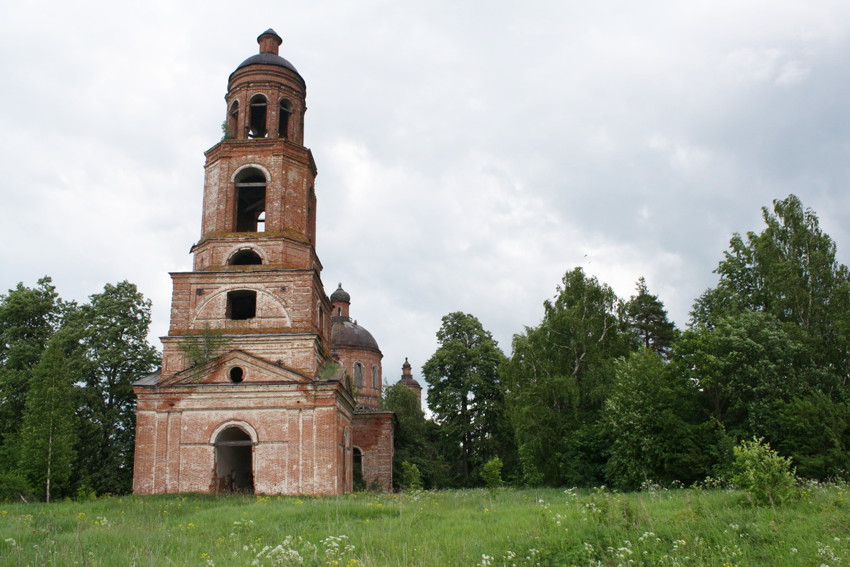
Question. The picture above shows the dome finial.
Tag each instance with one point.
(269, 41)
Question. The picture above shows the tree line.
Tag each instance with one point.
(602, 390)
(67, 409)
(607, 390)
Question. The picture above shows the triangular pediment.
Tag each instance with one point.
(236, 366)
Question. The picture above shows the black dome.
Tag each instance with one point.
(268, 59)
(340, 296)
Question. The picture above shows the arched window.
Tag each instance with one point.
(245, 258)
(250, 201)
(376, 382)
(283, 118)
(232, 125)
(258, 117)
(358, 375)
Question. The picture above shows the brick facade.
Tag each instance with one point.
(248, 398)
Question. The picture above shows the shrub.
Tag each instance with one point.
(491, 473)
(411, 478)
(14, 487)
(766, 476)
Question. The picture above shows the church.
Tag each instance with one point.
(267, 385)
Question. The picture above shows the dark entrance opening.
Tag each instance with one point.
(357, 469)
(233, 461)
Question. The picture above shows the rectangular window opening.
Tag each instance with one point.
(251, 208)
(241, 304)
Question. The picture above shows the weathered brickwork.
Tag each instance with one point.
(247, 398)
(373, 437)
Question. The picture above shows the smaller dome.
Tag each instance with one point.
(340, 296)
(347, 333)
(407, 378)
(269, 42)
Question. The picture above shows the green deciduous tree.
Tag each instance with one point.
(48, 432)
(656, 428)
(743, 365)
(789, 271)
(464, 392)
(558, 379)
(410, 439)
(814, 430)
(28, 318)
(770, 344)
(112, 332)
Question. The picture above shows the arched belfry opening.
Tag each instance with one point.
(250, 200)
(257, 122)
(232, 126)
(283, 118)
(234, 461)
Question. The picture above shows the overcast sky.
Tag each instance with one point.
(469, 153)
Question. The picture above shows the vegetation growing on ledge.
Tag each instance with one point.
(329, 370)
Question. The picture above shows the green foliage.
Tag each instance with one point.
(465, 393)
(14, 487)
(330, 369)
(111, 334)
(656, 429)
(743, 365)
(48, 433)
(491, 473)
(204, 347)
(789, 271)
(814, 431)
(647, 319)
(766, 476)
(411, 440)
(226, 133)
(411, 478)
(558, 379)
(28, 318)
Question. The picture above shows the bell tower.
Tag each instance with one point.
(249, 397)
(256, 275)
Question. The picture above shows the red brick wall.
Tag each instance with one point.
(298, 431)
(373, 435)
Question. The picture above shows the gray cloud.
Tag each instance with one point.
(467, 157)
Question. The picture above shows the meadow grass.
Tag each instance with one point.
(463, 527)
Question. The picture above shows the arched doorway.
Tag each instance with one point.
(233, 461)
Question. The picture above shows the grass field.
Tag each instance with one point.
(468, 527)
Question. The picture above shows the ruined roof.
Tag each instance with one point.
(149, 380)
